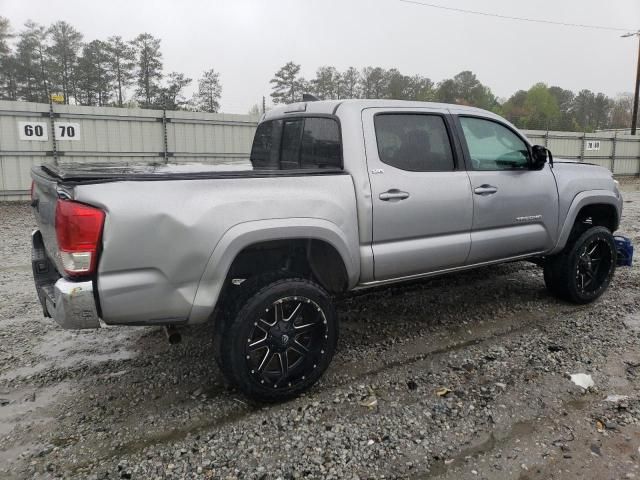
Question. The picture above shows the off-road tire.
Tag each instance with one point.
(250, 314)
(562, 273)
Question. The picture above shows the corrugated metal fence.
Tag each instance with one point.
(33, 133)
(617, 152)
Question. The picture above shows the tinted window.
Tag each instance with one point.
(297, 143)
(493, 146)
(418, 143)
(320, 144)
(290, 152)
(262, 154)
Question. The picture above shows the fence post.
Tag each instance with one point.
(584, 140)
(546, 139)
(164, 134)
(54, 146)
(613, 152)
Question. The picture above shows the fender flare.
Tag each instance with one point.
(582, 199)
(245, 234)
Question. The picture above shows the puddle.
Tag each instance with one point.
(484, 445)
(632, 322)
(27, 401)
(62, 349)
(27, 407)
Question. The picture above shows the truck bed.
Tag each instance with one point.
(73, 173)
(172, 231)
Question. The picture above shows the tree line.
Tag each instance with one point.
(539, 108)
(39, 61)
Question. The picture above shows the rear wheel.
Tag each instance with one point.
(584, 269)
(280, 340)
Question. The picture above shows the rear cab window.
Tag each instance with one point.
(297, 143)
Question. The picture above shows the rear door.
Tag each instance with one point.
(515, 207)
(422, 205)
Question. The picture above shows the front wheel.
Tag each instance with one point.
(584, 269)
(280, 340)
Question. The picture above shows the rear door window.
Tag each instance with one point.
(320, 146)
(414, 142)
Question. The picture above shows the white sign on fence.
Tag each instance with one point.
(33, 131)
(67, 131)
(593, 145)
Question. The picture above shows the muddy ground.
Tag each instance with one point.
(122, 403)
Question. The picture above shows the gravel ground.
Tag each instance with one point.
(121, 402)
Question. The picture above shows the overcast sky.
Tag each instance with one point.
(248, 40)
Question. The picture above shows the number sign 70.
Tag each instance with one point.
(67, 131)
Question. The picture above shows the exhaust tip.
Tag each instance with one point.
(173, 335)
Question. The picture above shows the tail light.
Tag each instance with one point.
(78, 230)
(33, 185)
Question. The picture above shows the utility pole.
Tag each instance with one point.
(264, 105)
(634, 115)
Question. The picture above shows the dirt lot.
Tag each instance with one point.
(123, 403)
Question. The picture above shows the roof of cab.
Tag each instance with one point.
(328, 107)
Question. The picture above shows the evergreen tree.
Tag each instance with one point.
(564, 99)
(172, 94)
(149, 70)
(288, 86)
(30, 64)
(583, 109)
(373, 82)
(66, 42)
(420, 88)
(542, 110)
(5, 35)
(94, 77)
(207, 98)
(466, 89)
(349, 81)
(326, 85)
(122, 62)
(8, 85)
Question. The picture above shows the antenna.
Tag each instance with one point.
(307, 97)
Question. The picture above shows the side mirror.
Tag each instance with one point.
(540, 155)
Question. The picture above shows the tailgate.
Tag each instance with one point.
(46, 192)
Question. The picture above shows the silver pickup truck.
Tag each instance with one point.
(339, 195)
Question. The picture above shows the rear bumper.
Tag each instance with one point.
(71, 304)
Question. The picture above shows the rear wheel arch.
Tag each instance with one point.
(318, 251)
(310, 258)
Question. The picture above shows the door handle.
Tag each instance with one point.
(393, 194)
(485, 190)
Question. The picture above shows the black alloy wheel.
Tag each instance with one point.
(584, 269)
(287, 342)
(593, 265)
(279, 339)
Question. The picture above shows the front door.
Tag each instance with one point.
(515, 207)
(422, 202)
